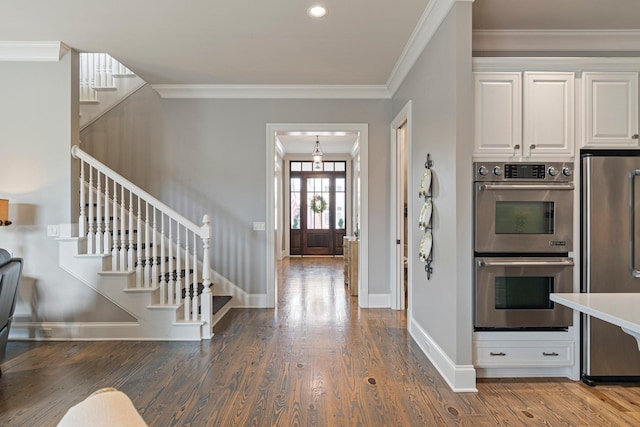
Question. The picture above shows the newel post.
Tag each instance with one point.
(82, 219)
(207, 298)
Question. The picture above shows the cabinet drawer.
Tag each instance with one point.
(496, 354)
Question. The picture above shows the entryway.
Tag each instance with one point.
(323, 228)
(318, 208)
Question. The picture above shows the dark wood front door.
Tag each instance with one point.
(318, 209)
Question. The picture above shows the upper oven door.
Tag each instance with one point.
(523, 217)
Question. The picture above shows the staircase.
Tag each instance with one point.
(143, 256)
(104, 82)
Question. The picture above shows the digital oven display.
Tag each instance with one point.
(524, 171)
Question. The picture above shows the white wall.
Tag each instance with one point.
(439, 86)
(208, 156)
(39, 115)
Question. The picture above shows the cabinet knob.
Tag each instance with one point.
(634, 136)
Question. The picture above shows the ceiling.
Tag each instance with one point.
(330, 142)
(275, 42)
(252, 42)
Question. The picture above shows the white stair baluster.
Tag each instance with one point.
(123, 234)
(178, 283)
(170, 280)
(115, 254)
(82, 220)
(101, 81)
(194, 300)
(163, 264)
(91, 232)
(113, 66)
(187, 279)
(91, 66)
(98, 213)
(107, 225)
(154, 258)
(130, 254)
(147, 249)
(139, 252)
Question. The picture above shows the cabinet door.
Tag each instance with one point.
(548, 114)
(610, 110)
(497, 114)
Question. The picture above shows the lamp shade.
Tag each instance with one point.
(4, 212)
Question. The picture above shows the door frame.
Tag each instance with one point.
(362, 130)
(396, 201)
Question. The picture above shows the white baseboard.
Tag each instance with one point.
(461, 378)
(379, 301)
(564, 372)
(97, 331)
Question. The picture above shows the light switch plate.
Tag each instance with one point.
(258, 226)
(53, 231)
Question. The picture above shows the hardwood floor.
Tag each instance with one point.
(315, 360)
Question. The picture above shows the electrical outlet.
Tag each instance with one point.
(53, 231)
(46, 332)
(258, 226)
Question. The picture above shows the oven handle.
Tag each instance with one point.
(632, 220)
(568, 186)
(563, 262)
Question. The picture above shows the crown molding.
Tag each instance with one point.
(32, 51)
(522, 63)
(272, 91)
(432, 17)
(556, 40)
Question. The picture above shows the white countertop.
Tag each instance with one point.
(621, 309)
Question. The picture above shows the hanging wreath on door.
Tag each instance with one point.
(318, 204)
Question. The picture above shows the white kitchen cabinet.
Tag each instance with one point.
(610, 109)
(524, 354)
(523, 117)
(549, 105)
(497, 114)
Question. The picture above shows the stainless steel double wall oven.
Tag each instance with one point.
(523, 236)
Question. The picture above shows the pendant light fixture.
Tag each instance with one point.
(317, 156)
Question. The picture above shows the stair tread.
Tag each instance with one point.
(141, 290)
(164, 306)
(220, 301)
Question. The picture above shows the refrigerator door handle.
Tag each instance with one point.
(632, 229)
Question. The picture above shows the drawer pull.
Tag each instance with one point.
(544, 353)
(497, 354)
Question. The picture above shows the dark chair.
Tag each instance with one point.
(10, 272)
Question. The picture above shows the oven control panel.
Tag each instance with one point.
(552, 171)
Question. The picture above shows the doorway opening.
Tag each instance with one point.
(401, 212)
(278, 219)
(318, 207)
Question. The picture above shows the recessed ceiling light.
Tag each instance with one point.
(317, 11)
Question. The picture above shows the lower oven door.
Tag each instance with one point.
(515, 292)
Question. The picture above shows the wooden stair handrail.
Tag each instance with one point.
(202, 231)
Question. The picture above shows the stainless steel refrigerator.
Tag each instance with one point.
(610, 257)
